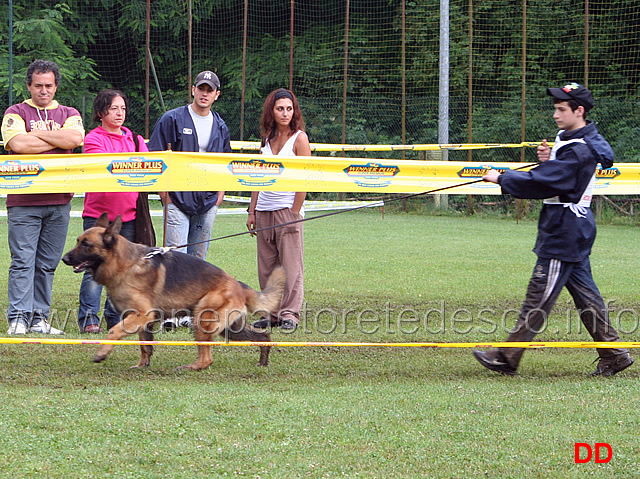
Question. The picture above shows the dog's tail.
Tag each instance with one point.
(268, 301)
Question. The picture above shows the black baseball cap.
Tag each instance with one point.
(209, 78)
(573, 91)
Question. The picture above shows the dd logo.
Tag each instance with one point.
(590, 452)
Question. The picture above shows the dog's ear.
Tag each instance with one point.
(113, 229)
(103, 221)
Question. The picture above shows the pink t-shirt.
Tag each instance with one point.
(121, 203)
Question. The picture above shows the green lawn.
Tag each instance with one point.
(342, 412)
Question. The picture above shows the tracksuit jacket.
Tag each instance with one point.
(566, 227)
(176, 128)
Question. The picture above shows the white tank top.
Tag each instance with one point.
(278, 200)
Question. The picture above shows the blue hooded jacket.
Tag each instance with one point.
(565, 232)
(176, 128)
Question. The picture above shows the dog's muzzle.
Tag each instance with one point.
(77, 267)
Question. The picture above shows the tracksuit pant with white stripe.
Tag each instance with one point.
(548, 279)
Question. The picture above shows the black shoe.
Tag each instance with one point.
(262, 323)
(495, 361)
(170, 324)
(610, 366)
(288, 325)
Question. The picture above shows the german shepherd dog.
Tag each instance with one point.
(147, 288)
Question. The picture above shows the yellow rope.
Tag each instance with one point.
(484, 344)
(252, 145)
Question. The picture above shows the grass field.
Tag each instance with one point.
(342, 412)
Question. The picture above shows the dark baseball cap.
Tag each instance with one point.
(573, 91)
(208, 78)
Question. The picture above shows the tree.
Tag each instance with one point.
(41, 33)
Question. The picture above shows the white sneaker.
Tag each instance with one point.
(186, 322)
(45, 328)
(17, 327)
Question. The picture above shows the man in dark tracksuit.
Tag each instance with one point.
(566, 232)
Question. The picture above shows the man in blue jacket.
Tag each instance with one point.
(566, 231)
(195, 127)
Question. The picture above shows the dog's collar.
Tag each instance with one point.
(157, 251)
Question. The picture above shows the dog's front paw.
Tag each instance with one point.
(102, 353)
(192, 367)
(142, 364)
(186, 366)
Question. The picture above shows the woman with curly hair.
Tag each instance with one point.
(282, 131)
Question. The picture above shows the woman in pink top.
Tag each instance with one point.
(110, 110)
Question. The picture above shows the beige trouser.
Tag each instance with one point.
(282, 246)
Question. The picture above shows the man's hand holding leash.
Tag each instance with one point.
(544, 152)
(492, 176)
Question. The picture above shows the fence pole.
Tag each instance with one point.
(189, 47)
(404, 76)
(443, 107)
(157, 82)
(10, 52)
(470, 100)
(520, 203)
(146, 68)
(470, 84)
(586, 43)
(523, 114)
(345, 75)
(291, 24)
(345, 79)
(244, 66)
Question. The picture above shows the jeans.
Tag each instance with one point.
(183, 229)
(91, 292)
(37, 236)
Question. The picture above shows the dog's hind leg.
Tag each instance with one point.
(241, 331)
(206, 324)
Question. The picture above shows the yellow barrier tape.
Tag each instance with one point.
(253, 145)
(186, 171)
(485, 344)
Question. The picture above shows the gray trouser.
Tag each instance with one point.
(548, 279)
(37, 236)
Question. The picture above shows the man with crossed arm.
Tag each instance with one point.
(38, 222)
